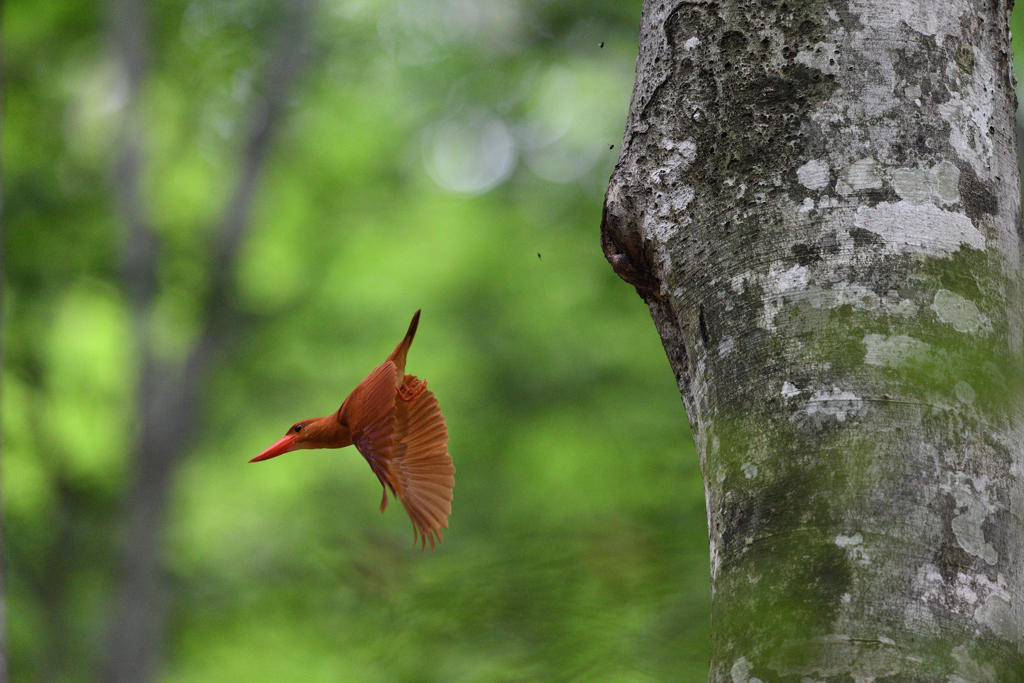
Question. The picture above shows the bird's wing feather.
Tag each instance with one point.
(422, 469)
(406, 444)
(369, 413)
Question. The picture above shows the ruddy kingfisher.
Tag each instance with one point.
(395, 422)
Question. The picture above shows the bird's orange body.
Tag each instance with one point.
(396, 424)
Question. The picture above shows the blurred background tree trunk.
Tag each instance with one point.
(4, 643)
(170, 394)
(821, 206)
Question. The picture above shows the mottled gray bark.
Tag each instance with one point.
(820, 203)
(169, 395)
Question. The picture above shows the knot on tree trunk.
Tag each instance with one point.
(623, 243)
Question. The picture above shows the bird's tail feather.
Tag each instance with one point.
(402, 350)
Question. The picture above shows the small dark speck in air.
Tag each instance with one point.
(602, 44)
(611, 146)
(538, 254)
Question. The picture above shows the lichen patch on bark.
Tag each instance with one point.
(854, 546)
(740, 672)
(941, 182)
(814, 175)
(925, 229)
(894, 351)
(960, 313)
(974, 504)
(923, 19)
(858, 176)
(996, 614)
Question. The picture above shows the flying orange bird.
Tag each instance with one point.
(395, 422)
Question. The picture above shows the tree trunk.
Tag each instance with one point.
(170, 395)
(820, 204)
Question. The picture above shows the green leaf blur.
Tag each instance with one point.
(443, 155)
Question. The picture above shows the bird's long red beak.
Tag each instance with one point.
(284, 445)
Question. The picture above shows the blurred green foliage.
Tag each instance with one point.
(439, 154)
(447, 155)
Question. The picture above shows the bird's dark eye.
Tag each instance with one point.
(297, 428)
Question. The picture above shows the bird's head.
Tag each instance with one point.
(304, 434)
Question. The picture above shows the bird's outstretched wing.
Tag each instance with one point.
(402, 434)
(422, 470)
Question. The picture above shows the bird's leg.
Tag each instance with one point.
(411, 389)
